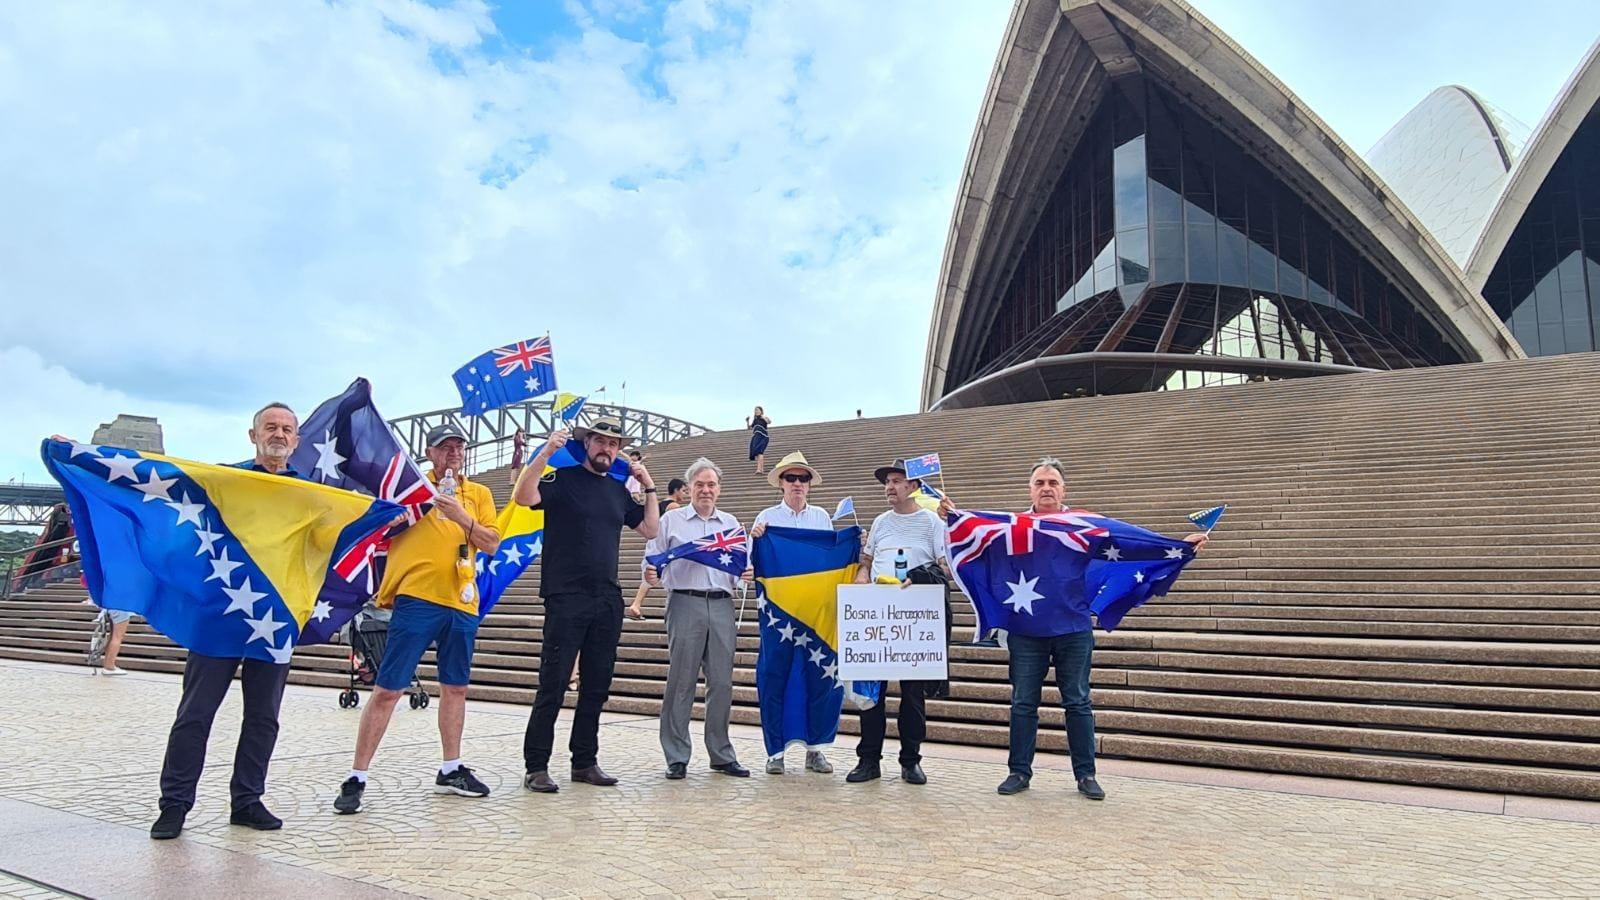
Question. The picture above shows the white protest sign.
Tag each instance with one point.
(890, 633)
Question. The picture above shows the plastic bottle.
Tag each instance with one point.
(901, 570)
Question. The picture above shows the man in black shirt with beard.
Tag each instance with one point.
(585, 510)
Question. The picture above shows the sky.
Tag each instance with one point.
(722, 203)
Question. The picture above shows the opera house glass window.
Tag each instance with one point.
(1546, 284)
(1162, 236)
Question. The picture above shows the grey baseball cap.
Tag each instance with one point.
(440, 433)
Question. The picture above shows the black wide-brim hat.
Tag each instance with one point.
(882, 472)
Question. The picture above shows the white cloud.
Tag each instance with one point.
(229, 203)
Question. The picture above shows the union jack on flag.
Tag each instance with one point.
(1050, 574)
(506, 375)
(727, 551)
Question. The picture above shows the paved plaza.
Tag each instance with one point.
(84, 753)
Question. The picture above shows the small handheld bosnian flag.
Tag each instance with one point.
(567, 406)
(847, 507)
(924, 466)
(1207, 518)
(928, 497)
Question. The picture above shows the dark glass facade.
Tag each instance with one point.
(1163, 236)
(1546, 284)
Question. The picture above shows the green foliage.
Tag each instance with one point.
(17, 540)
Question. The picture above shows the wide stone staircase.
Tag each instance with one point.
(1406, 587)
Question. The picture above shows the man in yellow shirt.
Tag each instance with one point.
(431, 583)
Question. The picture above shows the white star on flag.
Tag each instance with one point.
(83, 449)
(243, 598)
(829, 670)
(282, 655)
(328, 458)
(787, 631)
(494, 567)
(263, 628)
(1139, 577)
(1174, 553)
(772, 620)
(513, 554)
(725, 558)
(322, 610)
(157, 488)
(188, 511)
(222, 567)
(120, 467)
(1023, 594)
(1113, 554)
(532, 383)
(802, 639)
(816, 656)
(208, 539)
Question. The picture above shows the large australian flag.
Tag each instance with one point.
(506, 375)
(346, 443)
(1045, 574)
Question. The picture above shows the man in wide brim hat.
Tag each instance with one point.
(795, 461)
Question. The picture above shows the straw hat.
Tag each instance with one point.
(795, 460)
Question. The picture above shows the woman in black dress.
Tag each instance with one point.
(757, 423)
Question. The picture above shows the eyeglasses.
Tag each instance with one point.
(797, 477)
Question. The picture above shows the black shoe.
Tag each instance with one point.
(678, 771)
(733, 769)
(593, 775)
(1091, 788)
(1014, 784)
(864, 771)
(349, 800)
(169, 824)
(540, 783)
(461, 782)
(913, 774)
(255, 816)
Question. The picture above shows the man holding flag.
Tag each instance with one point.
(585, 511)
(1043, 577)
(431, 583)
(705, 554)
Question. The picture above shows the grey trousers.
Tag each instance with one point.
(700, 637)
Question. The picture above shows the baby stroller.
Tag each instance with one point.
(368, 634)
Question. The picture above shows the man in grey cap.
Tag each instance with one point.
(430, 581)
(585, 510)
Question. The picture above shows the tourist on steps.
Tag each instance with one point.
(758, 423)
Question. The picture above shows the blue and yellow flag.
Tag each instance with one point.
(572, 455)
(567, 406)
(521, 540)
(224, 561)
(798, 573)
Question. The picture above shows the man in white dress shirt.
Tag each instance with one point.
(794, 476)
(701, 628)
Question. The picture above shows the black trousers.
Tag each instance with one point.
(205, 684)
(913, 722)
(585, 627)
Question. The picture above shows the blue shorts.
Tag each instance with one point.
(415, 625)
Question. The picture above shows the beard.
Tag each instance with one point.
(275, 450)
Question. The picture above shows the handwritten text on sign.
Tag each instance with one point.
(891, 633)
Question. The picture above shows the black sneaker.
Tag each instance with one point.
(255, 816)
(461, 782)
(169, 824)
(349, 800)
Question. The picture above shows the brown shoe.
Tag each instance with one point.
(593, 775)
(540, 783)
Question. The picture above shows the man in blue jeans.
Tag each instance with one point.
(1070, 652)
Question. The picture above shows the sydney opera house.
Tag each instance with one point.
(1145, 207)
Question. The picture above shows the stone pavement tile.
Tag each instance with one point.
(797, 835)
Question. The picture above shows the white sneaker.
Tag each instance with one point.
(113, 671)
(816, 762)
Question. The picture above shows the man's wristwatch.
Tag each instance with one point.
(649, 490)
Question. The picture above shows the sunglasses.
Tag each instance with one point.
(797, 477)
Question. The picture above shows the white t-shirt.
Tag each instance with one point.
(919, 533)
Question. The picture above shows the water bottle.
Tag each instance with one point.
(901, 571)
(447, 483)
